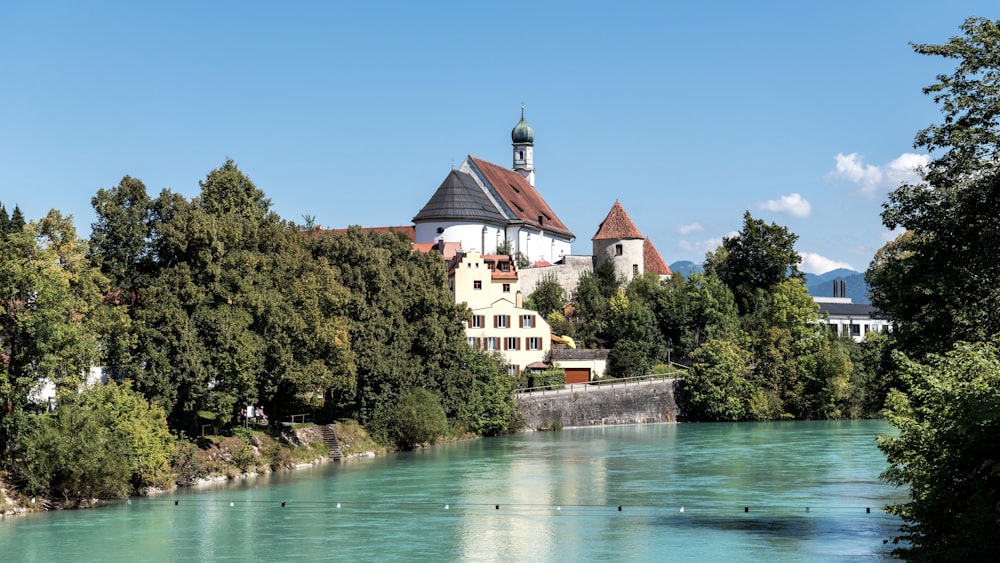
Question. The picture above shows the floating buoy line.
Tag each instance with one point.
(383, 506)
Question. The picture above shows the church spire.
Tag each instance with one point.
(523, 137)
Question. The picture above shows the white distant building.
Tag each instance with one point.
(846, 318)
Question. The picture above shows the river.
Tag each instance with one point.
(783, 491)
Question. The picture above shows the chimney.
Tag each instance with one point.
(834, 288)
(518, 300)
(843, 288)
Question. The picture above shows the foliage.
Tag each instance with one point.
(590, 304)
(717, 386)
(947, 454)
(105, 442)
(491, 409)
(230, 308)
(552, 378)
(405, 329)
(937, 283)
(970, 100)
(418, 418)
(629, 358)
(547, 298)
(757, 258)
(48, 292)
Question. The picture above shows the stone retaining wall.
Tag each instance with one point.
(596, 405)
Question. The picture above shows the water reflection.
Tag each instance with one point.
(558, 496)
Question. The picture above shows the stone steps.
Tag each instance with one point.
(330, 441)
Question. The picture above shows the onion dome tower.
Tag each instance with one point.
(523, 137)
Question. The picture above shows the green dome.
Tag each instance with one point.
(522, 133)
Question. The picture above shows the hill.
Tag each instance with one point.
(819, 285)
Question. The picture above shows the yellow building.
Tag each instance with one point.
(488, 285)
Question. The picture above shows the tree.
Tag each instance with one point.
(757, 258)
(938, 284)
(417, 418)
(717, 386)
(970, 100)
(947, 454)
(48, 293)
(405, 328)
(938, 281)
(105, 442)
(548, 297)
(590, 303)
(230, 307)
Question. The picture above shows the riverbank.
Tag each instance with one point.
(214, 459)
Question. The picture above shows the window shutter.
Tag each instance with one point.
(521, 325)
(495, 321)
(534, 321)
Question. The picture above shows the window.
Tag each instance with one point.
(493, 343)
(513, 369)
(527, 321)
(477, 321)
(855, 330)
(506, 288)
(472, 341)
(477, 284)
(534, 343)
(513, 343)
(635, 270)
(501, 321)
(618, 250)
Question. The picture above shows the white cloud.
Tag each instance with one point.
(815, 264)
(906, 168)
(793, 204)
(703, 246)
(689, 228)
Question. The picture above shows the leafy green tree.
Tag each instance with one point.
(47, 294)
(406, 330)
(491, 409)
(718, 385)
(630, 358)
(227, 307)
(937, 283)
(757, 258)
(946, 453)
(105, 442)
(547, 298)
(590, 303)
(417, 418)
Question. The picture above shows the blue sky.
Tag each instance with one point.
(691, 113)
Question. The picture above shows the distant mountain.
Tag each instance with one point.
(819, 285)
(854, 284)
(685, 267)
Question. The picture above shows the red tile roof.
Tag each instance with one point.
(651, 260)
(498, 274)
(617, 225)
(521, 197)
(450, 248)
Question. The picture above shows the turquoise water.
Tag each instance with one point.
(791, 491)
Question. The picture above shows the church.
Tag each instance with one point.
(485, 207)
